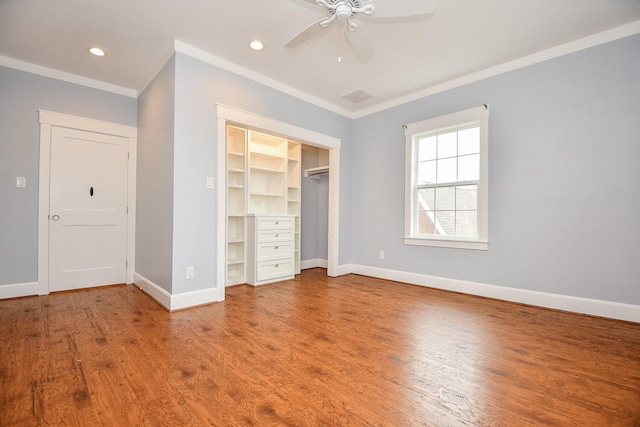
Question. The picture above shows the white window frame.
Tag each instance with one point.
(480, 115)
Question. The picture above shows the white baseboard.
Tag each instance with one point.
(153, 290)
(313, 263)
(345, 269)
(193, 299)
(609, 309)
(18, 290)
(178, 301)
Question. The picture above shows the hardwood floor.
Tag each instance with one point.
(313, 351)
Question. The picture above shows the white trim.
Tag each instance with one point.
(432, 126)
(66, 77)
(592, 307)
(194, 299)
(178, 301)
(131, 207)
(447, 243)
(544, 55)
(18, 290)
(221, 203)
(216, 61)
(47, 120)
(224, 114)
(309, 137)
(334, 213)
(154, 291)
(344, 269)
(84, 123)
(313, 263)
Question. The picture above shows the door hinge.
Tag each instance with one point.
(127, 209)
(126, 264)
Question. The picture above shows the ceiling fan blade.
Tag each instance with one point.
(305, 35)
(359, 41)
(401, 8)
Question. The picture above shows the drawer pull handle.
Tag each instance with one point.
(276, 235)
(277, 265)
(276, 248)
(277, 222)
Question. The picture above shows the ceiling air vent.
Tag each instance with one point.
(358, 96)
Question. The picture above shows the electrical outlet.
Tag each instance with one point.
(190, 274)
(381, 255)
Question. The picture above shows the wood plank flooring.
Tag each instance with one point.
(314, 351)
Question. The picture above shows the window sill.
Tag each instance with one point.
(447, 243)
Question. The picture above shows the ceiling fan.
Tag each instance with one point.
(345, 12)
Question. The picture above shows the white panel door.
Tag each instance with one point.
(87, 209)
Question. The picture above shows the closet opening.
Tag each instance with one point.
(261, 197)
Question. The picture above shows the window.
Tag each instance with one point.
(446, 181)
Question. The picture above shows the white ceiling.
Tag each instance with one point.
(462, 37)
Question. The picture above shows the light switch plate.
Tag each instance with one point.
(210, 182)
(21, 182)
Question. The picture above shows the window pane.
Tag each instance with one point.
(427, 172)
(427, 148)
(469, 141)
(446, 223)
(469, 168)
(445, 198)
(447, 170)
(425, 222)
(427, 198)
(447, 145)
(467, 197)
(467, 224)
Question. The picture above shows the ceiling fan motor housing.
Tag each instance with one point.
(343, 12)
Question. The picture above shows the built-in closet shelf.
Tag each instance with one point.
(264, 178)
(268, 170)
(267, 194)
(265, 155)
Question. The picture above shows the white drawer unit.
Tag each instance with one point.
(270, 248)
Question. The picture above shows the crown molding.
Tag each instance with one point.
(211, 59)
(541, 56)
(66, 77)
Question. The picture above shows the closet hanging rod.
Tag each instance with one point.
(316, 173)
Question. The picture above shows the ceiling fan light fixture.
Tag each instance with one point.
(97, 51)
(256, 45)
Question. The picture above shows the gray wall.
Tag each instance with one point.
(564, 196)
(154, 192)
(199, 87)
(21, 95)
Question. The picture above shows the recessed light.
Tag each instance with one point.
(97, 51)
(256, 45)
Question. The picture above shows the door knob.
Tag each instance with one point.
(55, 217)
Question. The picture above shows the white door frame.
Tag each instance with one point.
(47, 120)
(226, 114)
